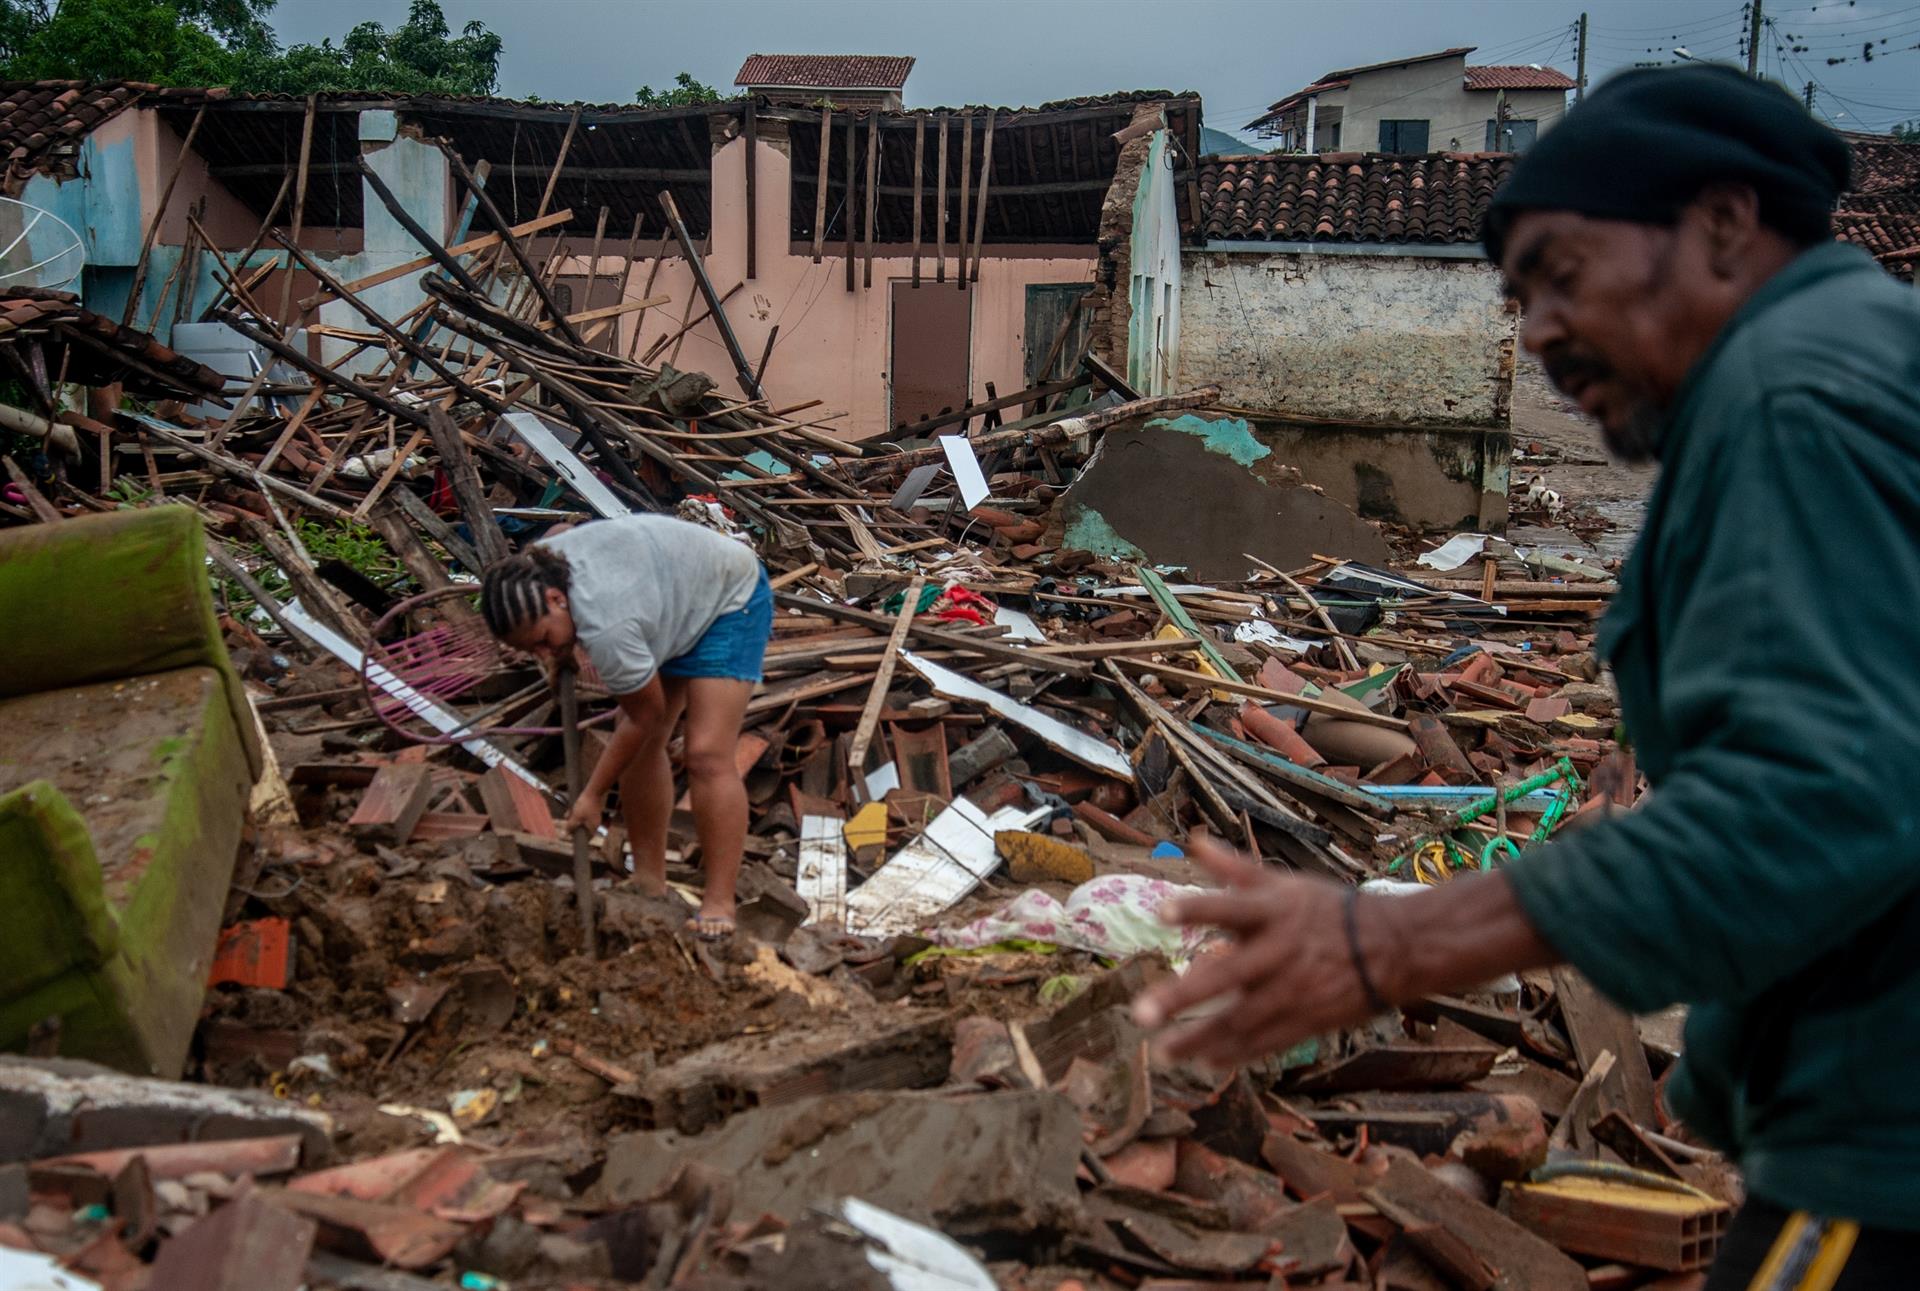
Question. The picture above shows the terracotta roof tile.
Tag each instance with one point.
(1886, 167)
(826, 71)
(29, 312)
(41, 120)
(1527, 76)
(1349, 197)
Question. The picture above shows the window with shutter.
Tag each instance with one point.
(1514, 136)
(1403, 136)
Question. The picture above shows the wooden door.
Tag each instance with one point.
(929, 367)
(1048, 306)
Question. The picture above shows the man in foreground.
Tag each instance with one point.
(1670, 245)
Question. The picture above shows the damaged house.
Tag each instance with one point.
(1343, 305)
(895, 265)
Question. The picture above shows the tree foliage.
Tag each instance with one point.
(228, 42)
(1907, 132)
(685, 93)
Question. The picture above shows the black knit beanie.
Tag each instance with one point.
(1647, 141)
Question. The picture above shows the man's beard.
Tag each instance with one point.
(1637, 439)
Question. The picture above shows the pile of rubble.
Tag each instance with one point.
(977, 754)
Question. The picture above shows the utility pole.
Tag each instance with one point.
(1809, 96)
(1753, 40)
(1580, 77)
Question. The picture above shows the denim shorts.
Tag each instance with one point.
(735, 646)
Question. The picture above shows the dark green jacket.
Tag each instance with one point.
(1766, 640)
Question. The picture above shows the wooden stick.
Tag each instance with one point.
(299, 418)
(760, 373)
(966, 185)
(980, 204)
(576, 781)
(240, 265)
(1313, 704)
(484, 242)
(940, 209)
(489, 542)
(652, 273)
(1345, 651)
(820, 189)
(873, 190)
(852, 206)
(173, 276)
(299, 205)
(607, 311)
(159, 213)
(387, 476)
(877, 694)
(919, 158)
(936, 636)
(43, 510)
(753, 203)
(499, 222)
(593, 259)
(740, 366)
(553, 176)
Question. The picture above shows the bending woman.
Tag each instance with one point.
(675, 619)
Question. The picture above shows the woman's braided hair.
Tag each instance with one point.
(513, 592)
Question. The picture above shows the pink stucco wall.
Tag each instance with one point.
(833, 344)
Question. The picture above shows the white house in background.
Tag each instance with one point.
(1434, 102)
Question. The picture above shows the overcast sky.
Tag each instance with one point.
(1240, 55)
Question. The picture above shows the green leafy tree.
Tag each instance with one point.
(686, 93)
(1907, 132)
(228, 42)
(420, 56)
(169, 42)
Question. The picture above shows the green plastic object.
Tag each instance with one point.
(1445, 847)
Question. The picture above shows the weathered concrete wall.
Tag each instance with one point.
(1388, 340)
(1432, 479)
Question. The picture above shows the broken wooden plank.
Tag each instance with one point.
(980, 204)
(741, 367)
(919, 172)
(940, 209)
(820, 192)
(468, 492)
(873, 192)
(882, 679)
(1595, 1024)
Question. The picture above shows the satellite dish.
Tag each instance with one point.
(37, 248)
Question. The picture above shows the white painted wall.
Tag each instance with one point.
(1153, 329)
(1385, 340)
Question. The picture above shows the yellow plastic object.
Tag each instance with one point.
(868, 828)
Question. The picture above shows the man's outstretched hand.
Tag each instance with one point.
(1291, 973)
(1288, 976)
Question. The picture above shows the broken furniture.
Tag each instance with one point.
(124, 779)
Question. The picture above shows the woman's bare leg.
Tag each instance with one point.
(646, 796)
(716, 706)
